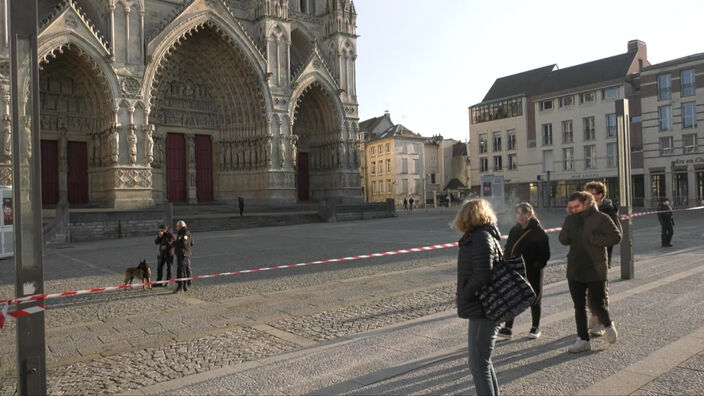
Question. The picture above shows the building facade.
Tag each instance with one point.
(147, 101)
(548, 131)
(672, 101)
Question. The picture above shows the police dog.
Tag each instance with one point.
(141, 272)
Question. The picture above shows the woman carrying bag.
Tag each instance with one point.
(479, 251)
(528, 239)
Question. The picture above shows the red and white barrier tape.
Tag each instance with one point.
(42, 297)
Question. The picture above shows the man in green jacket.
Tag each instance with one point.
(588, 232)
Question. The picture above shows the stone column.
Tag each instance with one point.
(191, 152)
(63, 165)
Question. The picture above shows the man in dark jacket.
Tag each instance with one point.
(667, 223)
(182, 248)
(165, 240)
(588, 232)
(599, 190)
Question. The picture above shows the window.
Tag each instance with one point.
(381, 187)
(498, 163)
(379, 149)
(404, 165)
(547, 134)
(483, 164)
(373, 188)
(611, 127)
(381, 168)
(432, 178)
(589, 131)
(483, 148)
(497, 141)
(664, 87)
(587, 97)
(404, 186)
(658, 185)
(567, 132)
(665, 118)
(373, 167)
(388, 166)
(372, 150)
(565, 101)
(666, 145)
(610, 93)
(512, 164)
(611, 155)
(419, 188)
(590, 157)
(687, 81)
(416, 167)
(546, 105)
(496, 111)
(434, 159)
(388, 186)
(547, 161)
(689, 115)
(568, 159)
(689, 143)
(511, 140)
(388, 147)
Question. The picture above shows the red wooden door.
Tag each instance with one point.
(176, 168)
(303, 182)
(77, 173)
(204, 169)
(50, 172)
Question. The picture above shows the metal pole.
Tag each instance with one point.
(27, 194)
(549, 191)
(624, 180)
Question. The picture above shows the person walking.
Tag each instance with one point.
(240, 203)
(165, 240)
(599, 191)
(528, 239)
(667, 222)
(588, 232)
(182, 249)
(405, 203)
(410, 203)
(479, 251)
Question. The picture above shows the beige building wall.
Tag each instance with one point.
(673, 155)
(433, 170)
(381, 169)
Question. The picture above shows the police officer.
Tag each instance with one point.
(182, 248)
(165, 240)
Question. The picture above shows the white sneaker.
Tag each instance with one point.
(597, 331)
(580, 346)
(611, 334)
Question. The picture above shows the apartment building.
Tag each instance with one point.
(672, 105)
(547, 131)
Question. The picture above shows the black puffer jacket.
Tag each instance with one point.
(479, 251)
(534, 247)
(608, 208)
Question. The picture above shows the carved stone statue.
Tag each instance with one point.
(267, 150)
(63, 151)
(191, 149)
(282, 151)
(132, 145)
(149, 144)
(28, 138)
(115, 144)
(294, 149)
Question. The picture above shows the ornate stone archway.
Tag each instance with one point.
(206, 86)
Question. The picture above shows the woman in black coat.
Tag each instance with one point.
(479, 250)
(528, 239)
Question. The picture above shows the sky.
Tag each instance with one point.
(427, 61)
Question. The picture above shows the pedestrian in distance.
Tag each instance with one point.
(240, 203)
(667, 222)
(599, 191)
(410, 203)
(528, 239)
(588, 232)
(405, 203)
(165, 240)
(182, 249)
(479, 251)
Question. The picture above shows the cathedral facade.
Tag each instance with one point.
(149, 101)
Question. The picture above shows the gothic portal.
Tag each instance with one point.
(146, 101)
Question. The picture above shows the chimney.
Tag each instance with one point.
(642, 53)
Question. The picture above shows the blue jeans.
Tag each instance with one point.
(481, 339)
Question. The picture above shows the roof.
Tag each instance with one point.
(684, 59)
(459, 149)
(605, 69)
(370, 124)
(454, 184)
(398, 131)
(524, 83)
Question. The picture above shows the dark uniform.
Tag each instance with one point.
(182, 247)
(166, 254)
(666, 223)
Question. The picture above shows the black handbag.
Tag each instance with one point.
(509, 293)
